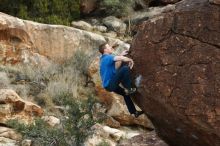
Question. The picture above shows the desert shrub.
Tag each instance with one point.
(118, 7)
(80, 61)
(21, 90)
(38, 73)
(81, 116)
(27, 79)
(71, 78)
(39, 133)
(48, 83)
(67, 78)
(31, 72)
(44, 101)
(74, 129)
(4, 80)
(103, 143)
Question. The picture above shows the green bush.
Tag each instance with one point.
(118, 7)
(45, 11)
(103, 143)
(39, 133)
(80, 121)
(80, 61)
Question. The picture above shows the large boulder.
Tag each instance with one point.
(23, 41)
(56, 42)
(178, 55)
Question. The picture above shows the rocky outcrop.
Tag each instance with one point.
(26, 142)
(149, 139)
(119, 112)
(14, 107)
(51, 120)
(8, 142)
(178, 55)
(138, 17)
(53, 41)
(22, 40)
(104, 135)
(115, 24)
(82, 25)
(8, 137)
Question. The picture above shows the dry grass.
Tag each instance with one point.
(47, 84)
(4, 80)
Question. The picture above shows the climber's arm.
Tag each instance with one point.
(118, 64)
(125, 59)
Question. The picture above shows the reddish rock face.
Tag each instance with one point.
(178, 55)
(12, 42)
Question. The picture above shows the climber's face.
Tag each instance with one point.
(108, 49)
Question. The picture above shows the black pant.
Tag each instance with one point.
(122, 76)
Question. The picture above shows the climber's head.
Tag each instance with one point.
(105, 49)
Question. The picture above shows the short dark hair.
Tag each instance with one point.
(102, 47)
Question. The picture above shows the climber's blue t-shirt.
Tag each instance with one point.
(107, 68)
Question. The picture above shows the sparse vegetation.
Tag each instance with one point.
(103, 143)
(48, 84)
(118, 7)
(62, 85)
(74, 129)
(39, 132)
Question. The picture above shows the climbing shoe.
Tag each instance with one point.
(138, 81)
(138, 113)
(130, 91)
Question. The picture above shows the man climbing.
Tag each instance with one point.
(112, 77)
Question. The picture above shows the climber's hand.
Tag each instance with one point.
(131, 64)
(125, 52)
